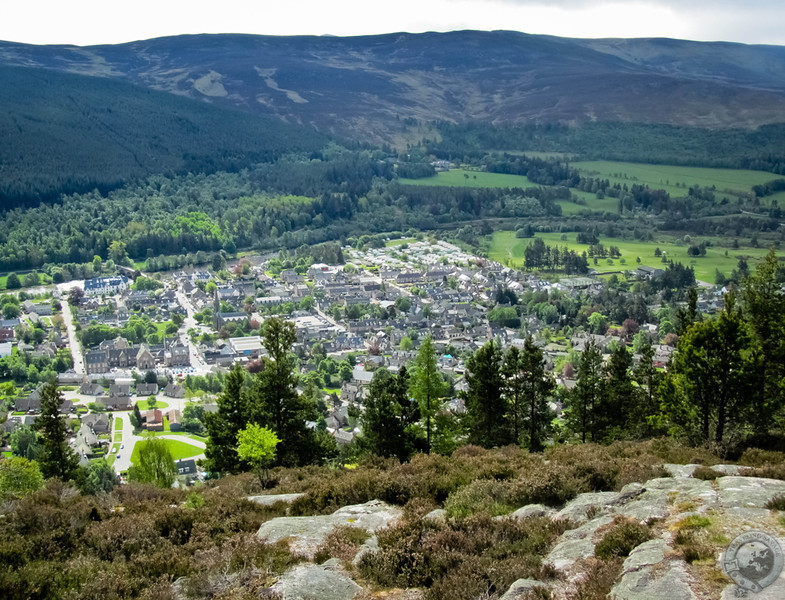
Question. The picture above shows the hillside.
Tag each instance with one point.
(67, 133)
(366, 85)
(578, 522)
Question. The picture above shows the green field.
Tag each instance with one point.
(400, 242)
(178, 449)
(665, 177)
(505, 247)
(478, 179)
(118, 424)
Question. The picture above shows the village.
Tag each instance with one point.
(158, 346)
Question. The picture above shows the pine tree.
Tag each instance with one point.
(384, 422)
(714, 381)
(486, 406)
(527, 388)
(55, 457)
(586, 396)
(427, 386)
(222, 426)
(646, 405)
(275, 402)
(618, 399)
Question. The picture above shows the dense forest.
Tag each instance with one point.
(758, 149)
(65, 133)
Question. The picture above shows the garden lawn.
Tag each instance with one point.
(118, 424)
(159, 404)
(178, 449)
(506, 248)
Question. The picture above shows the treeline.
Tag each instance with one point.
(539, 255)
(298, 200)
(759, 149)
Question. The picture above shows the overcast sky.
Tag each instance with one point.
(85, 22)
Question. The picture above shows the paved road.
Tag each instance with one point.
(68, 319)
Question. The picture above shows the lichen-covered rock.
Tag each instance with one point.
(313, 582)
(685, 490)
(680, 470)
(648, 574)
(437, 514)
(748, 492)
(730, 469)
(270, 499)
(532, 510)
(520, 588)
(578, 509)
(306, 534)
(576, 544)
(370, 545)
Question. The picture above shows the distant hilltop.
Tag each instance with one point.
(375, 86)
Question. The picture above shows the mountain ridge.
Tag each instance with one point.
(362, 86)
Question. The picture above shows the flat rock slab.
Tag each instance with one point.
(577, 509)
(270, 499)
(520, 588)
(576, 544)
(532, 510)
(748, 492)
(680, 470)
(312, 582)
(648, 575)
(306, 534)
(684, 489)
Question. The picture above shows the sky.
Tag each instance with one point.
(88, 22)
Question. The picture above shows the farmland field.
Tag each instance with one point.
(481, 179)
(507, 249)
(666, 177)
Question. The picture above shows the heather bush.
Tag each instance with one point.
(342, 543)
(621, 539)
(486, 496)
(776, 503)
(460, 559)
(706, 473)
(755, 457)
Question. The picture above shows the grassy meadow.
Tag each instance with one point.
(665, 177)
(507, 249)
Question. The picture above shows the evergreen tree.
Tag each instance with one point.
(427, 386)
(275, 402)
(222, 426)
(55, 457)
(645, 402)
(528, 387)
(618, 399)
(384, 422)
(714, 381)
(586, 396)
(486, 406)
(764, 310)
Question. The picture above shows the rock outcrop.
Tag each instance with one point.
(306, 534)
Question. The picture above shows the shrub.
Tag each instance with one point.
(342, 542)
(621, 539)
(461, 559)
(486, 496)
(706, 473)
(755, 457)
(777, 502)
